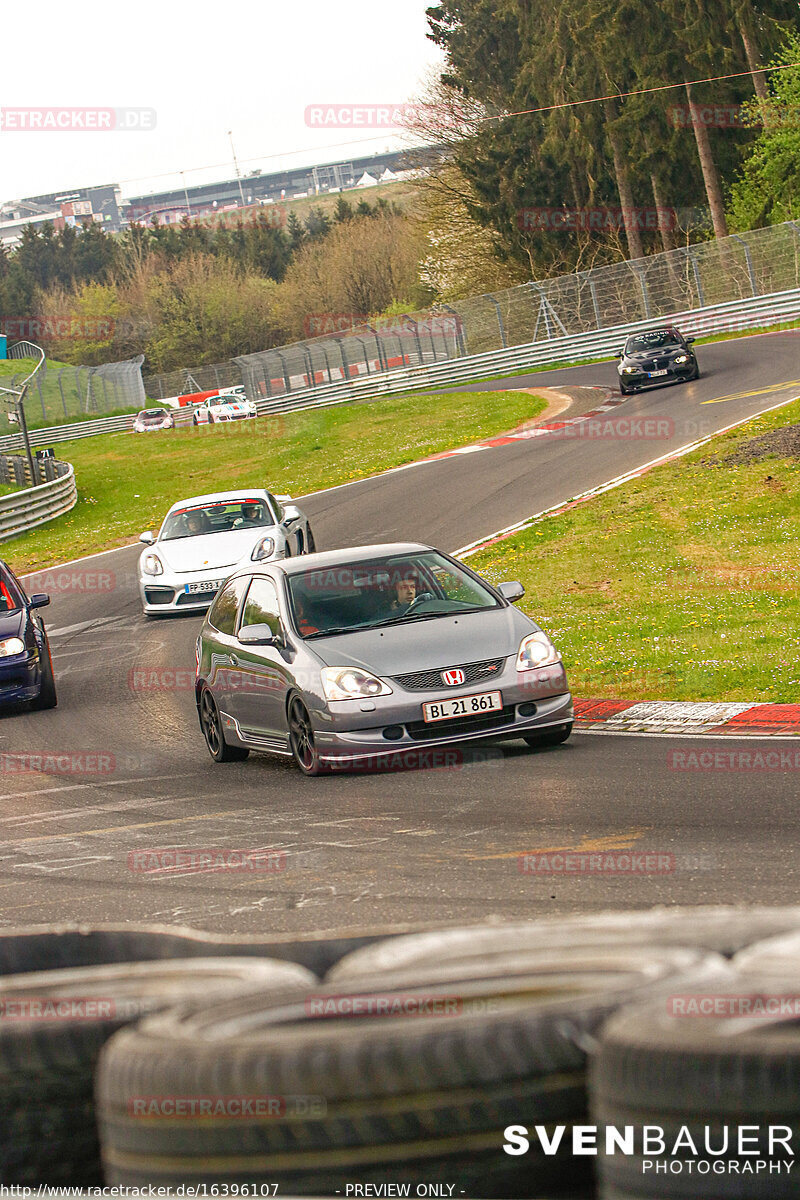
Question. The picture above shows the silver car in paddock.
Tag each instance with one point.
(205, 538)
(366, 655)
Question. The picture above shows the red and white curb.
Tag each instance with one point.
(745, 718)
(522, 435)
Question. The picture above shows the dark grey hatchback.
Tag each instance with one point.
(351, 657)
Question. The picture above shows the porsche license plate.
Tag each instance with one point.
(462, 706)
(205, 586)
(655, 374)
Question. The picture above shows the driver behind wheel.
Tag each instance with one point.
(406, 594)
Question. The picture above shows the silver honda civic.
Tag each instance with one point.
(372, 657)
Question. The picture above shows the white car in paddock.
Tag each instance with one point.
(230, 407)
(205, 539)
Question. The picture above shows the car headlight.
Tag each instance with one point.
(536, 650)
(152, 565)
(11, 646)
(682, 358)
(263, 549)
(629, 370)
(348, 683)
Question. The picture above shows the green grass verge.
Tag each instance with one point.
(126, 482)
(683, 585)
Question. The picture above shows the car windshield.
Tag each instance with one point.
(10, 598)
(659, 339)
(226, 516)
(372, 593)
(152, 414)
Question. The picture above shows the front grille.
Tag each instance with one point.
(427, 681)
(422, 731)
(194, 598)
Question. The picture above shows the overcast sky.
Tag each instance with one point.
(253, 68)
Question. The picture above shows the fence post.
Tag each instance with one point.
(501, 326)
(749, 260)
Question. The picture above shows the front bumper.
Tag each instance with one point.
(20, 679)
(530, 705)
(675, 374)
(167, 593)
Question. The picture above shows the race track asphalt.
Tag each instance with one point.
(420, 846)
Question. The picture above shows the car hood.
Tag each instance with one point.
(12, 623)
(425, 645)
(212, 551)
(646, 355)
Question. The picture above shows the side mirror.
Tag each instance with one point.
(258, 635)
(290, 515)
(511, 591)
(147, 538)
(620, 353)
(39, 600)
(688, 341)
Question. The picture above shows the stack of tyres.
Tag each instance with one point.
(722, 928)
(715, 1075)
(404, 1077)
(53, 1027)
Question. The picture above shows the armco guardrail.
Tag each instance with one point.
(761, 312)
(34, 506)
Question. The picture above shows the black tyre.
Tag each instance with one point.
(502, 947)
(552, 737)
(311, 544)
(47, 697)
(623, 390)
(384, 1095)
(211, 725)
(301, 738)
(661, 1067)
(775, 955)
(56, 1024)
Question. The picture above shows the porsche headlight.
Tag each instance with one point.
(348, 683)
(263, 549)
(11, 646)
(151, 565)
(536, 650)
(682, 358)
